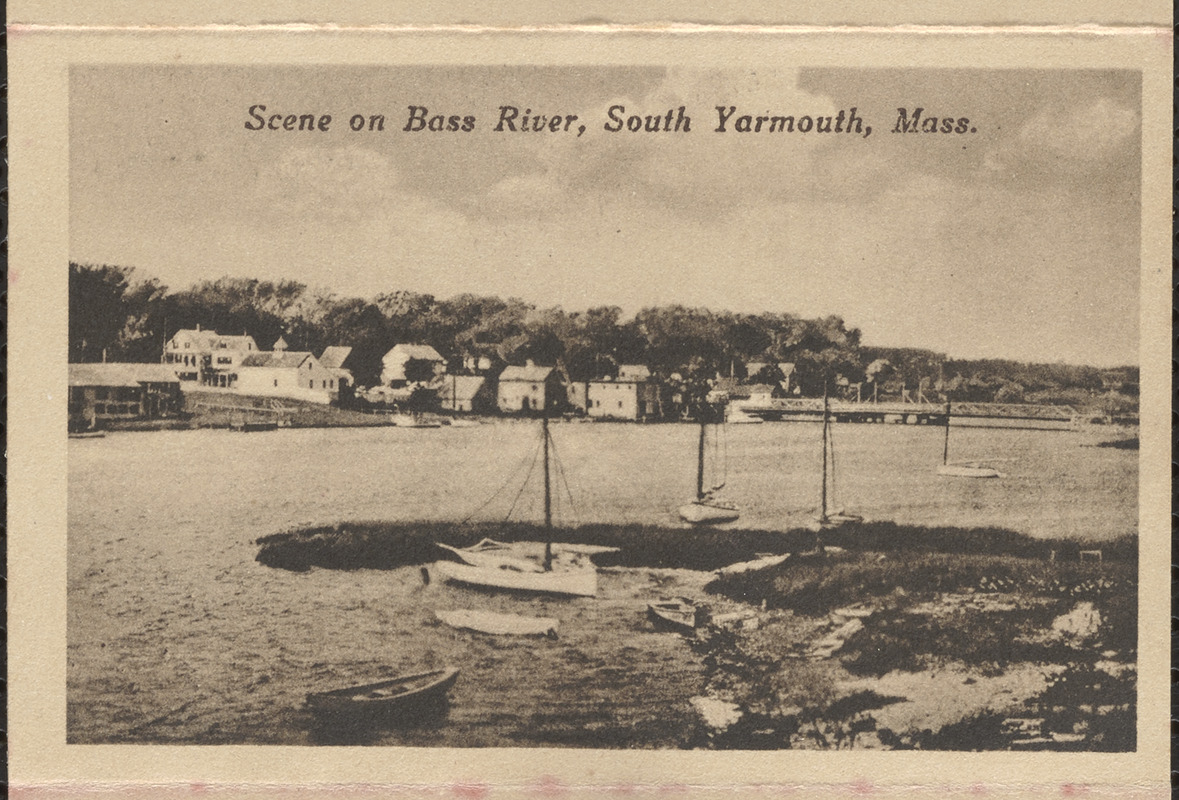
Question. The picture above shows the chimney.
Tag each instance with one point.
(529, 363)
(198, 327)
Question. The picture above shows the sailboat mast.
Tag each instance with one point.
(823, 490)
(700, 463)
(946, 443)
(548, 495)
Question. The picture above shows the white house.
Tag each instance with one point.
(207, 357)
(527, 388)
(285, 373)
(394, 362)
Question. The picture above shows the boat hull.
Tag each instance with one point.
(574, 582)
(708, 513)
(406, 699)
(500, 624)
(675, 615)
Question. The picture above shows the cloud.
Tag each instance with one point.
(699, 173)
(335, 182)
(1075, 142)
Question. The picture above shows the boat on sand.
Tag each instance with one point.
(500, 624)
(403, 699)
(680, 615)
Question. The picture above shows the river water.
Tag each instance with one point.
(176, 634)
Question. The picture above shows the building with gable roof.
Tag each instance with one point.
(633, 395)
(466, 393)
(529, 388)
(100, 392)
(287, 373)
(207, 358)
(394, 363)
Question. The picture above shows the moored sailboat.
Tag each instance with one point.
(494, 566)
(962, 469)
(707, 508)
(829, 517)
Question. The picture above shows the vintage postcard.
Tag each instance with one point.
(479, 411)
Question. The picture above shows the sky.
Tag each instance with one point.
(1016, 239)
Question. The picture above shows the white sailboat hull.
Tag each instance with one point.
(708, 512)
(574, 582)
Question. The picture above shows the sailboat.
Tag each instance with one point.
(707, 508)
(829, 517)
(496, 571)
(962, 469)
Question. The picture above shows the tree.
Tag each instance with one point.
(113, 314)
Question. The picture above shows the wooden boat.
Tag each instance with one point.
(401, 699)
(254, 427)
(499, 624)
(961, 469)
(498, 570)
(572, 582)
(707, 508)
(680, 615)
(830, 518)
(87, 435)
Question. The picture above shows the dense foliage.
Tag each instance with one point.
(117, 314)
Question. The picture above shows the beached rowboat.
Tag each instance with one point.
(399, 699)
(679, 615)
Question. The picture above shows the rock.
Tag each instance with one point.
(717, 714)
(1080, 624)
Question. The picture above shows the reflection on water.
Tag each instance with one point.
(176, 634)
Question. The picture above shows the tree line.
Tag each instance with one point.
(118, 314)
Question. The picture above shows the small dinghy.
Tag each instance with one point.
(405, 699)
(500, 624)
(680, 615)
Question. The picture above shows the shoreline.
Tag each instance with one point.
(953, 639)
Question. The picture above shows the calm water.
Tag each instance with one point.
(176, 634)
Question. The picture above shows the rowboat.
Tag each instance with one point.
(402, 699)
(574, 582)
(679, 615)
(499, 624)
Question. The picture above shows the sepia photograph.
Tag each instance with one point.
(556, 406)
(641, 406)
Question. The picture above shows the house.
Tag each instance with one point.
(101, 392)
(528, 388)
(468, 393)
(398, 366)
(335, 360)
(207, 358)
(631, 398)
(634, 372)
(286, 373)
